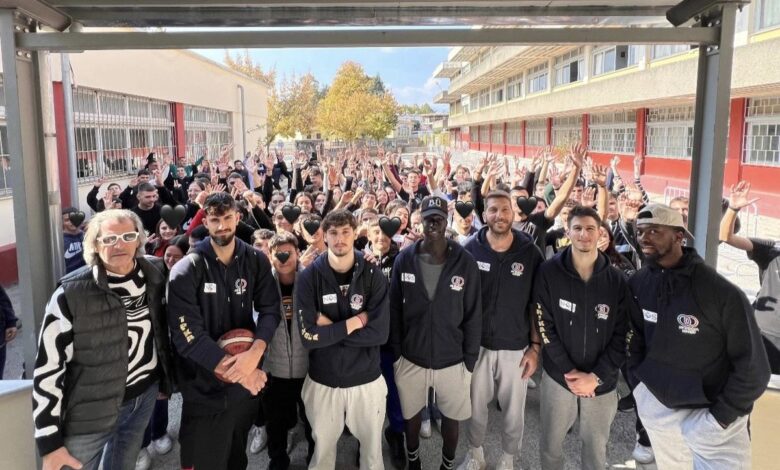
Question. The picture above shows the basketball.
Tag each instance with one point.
(236, 341)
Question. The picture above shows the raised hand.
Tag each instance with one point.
(740, 195)
(577, 153)
(599, 175)
(588, 197)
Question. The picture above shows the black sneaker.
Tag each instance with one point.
(396, 443)
(626, 403)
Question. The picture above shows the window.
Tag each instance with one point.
(613, 132)
(536, 132)
(497, 134)
(206, 130)
(473, 134)
(569, 67)
(513, 133)
(474, 99)
(498, 93)
(484, 134)
(670, 132)
(114, 105)
(484, 98)
(767, 13)
(660, 50)
(537, 78)
(636, 54)
(762, 131)
(514, 87)
(610, 58)
(567, 130)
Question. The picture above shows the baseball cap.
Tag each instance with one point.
(661, 214)
(432, 205)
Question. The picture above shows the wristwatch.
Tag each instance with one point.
(599, 382)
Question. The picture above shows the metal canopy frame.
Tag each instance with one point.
(706, 23)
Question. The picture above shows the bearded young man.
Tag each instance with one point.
(212, 291)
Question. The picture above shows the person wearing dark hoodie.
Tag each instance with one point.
(212, 291)
(696, 356)
(341, 303)
(287, 360)
(510, 345)
(436, 322)
(583, 305)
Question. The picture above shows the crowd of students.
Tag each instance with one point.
(408, 288)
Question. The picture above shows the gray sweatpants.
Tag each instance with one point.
(559, 409)
(685, 439)
(361, 408)
(498, 373)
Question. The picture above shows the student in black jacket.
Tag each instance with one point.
(342, 309)
(583, 305)
(510, 346)
(436, 315)
(210, 292)
(696, 354)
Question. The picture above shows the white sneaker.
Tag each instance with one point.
(507, 462)
(531, 383)
(259, 440)
(163, 445)
(144, 460)
(425, 429)
(475, 460)
(643, 454)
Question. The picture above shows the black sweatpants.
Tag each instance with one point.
(283, 405)
(216, 442)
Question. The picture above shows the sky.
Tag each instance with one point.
(406, 71)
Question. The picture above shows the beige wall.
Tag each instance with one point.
(756, 69)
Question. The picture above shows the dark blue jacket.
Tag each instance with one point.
(7, 317)
(695, 342)
(443, 331)
(583, 325)
(507, 287)
(337, 359)
(206, 299)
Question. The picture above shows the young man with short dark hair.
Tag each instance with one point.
(582, 312)
(436, 312)
(341, 303)
(216, 289)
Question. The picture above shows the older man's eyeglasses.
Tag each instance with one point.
(112, 239)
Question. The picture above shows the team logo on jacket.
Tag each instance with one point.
(457, 283)
(688, 324)
(240, 287)
(602, 311)
(356, 302)
(517, 269)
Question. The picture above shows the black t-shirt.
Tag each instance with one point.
(535, 225)
(421, 192)
(557, 240)
(287, 303)
(764, 251)
(148, 217)
(343, 280)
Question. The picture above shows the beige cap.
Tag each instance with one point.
(661, 214)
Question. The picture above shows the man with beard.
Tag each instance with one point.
(583, 304)
(436, 315)
(696, 355)
(341, 303)
(510, 346)
(213, 291)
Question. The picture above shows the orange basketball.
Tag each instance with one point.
(236, 341)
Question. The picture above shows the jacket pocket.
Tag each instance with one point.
(673, 387)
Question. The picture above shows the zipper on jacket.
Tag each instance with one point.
(585, 329)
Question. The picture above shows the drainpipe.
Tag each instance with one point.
(243, 123)
(70, 131)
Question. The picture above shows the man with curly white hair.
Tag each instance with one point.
(103, 354)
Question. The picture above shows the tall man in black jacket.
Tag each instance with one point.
(436, 319)
(696, 352)
(342, 310)
(211, 292)
(510, 346)
(583, 305)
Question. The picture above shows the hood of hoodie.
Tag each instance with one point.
(564, 260)
(205, 249)
(321, 264)
(520, 240)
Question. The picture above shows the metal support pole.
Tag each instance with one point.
(37, 218)
(70, 130)
(710, 133)
(243, 123)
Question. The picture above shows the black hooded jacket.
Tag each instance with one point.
(695, 342)
(583, 325)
